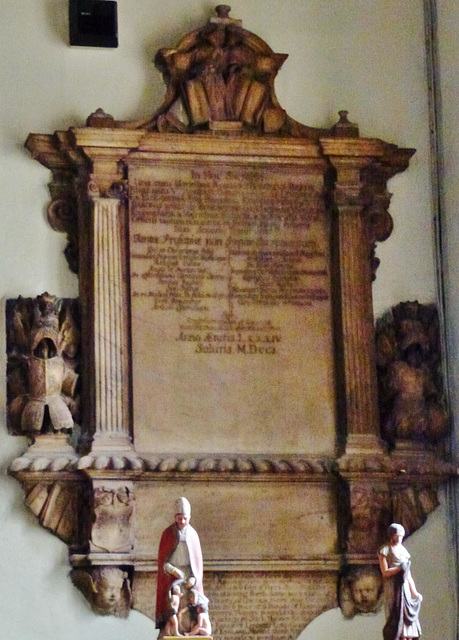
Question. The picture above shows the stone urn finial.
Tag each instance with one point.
(223, 17)
(223, 11)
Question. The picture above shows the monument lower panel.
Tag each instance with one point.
(261, 605)
(244, 521)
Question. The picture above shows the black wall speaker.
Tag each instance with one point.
(93, 23)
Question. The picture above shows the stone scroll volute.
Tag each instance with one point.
(225, 256)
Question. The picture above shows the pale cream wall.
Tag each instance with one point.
(363, 55)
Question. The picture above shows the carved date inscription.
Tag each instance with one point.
(229, 292)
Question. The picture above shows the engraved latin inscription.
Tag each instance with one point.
(229, 289)
(218, 246)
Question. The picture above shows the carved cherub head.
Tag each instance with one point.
(107, 590)
(360, 591)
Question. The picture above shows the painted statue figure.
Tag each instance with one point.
(179, 564)
(402, 599)
(199, 615)
(172, 625)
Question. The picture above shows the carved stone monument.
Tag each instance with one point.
(225, 256)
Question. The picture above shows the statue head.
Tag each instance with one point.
(360, 591)
(396, 533)
(198, 600)
(182, 513)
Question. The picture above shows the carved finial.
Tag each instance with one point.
(223, 11)
(223, 17)
(100, 119)
(343, 128)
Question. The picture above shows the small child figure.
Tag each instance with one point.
(199, 609)
(172, 625)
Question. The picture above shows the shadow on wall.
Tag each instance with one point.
(58, 20)
(37, 598)
(332, 625)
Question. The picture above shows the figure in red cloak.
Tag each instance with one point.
(179, 562)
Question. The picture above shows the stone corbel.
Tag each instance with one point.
(377, 198)
(107, 588)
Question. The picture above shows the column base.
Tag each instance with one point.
(112, 443)
(48, 452)
(364, 444)
(111, 451)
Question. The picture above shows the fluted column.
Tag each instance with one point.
(357, 319)
(109, 322)
(356, 308)
(104, 294)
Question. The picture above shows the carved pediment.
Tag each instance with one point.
(221, 77)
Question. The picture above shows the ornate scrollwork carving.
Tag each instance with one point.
(93, 187)
(221, 77)
(62, 217)
(376, 210)
(119, 190)
(60, 214)
(56, 506)
(370, 516)
(222, 73)
(412, 504)
(113, 513)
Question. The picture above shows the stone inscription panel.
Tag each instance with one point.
(262, 606)
(230, 301)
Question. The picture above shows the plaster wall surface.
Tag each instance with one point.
(364, 56)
